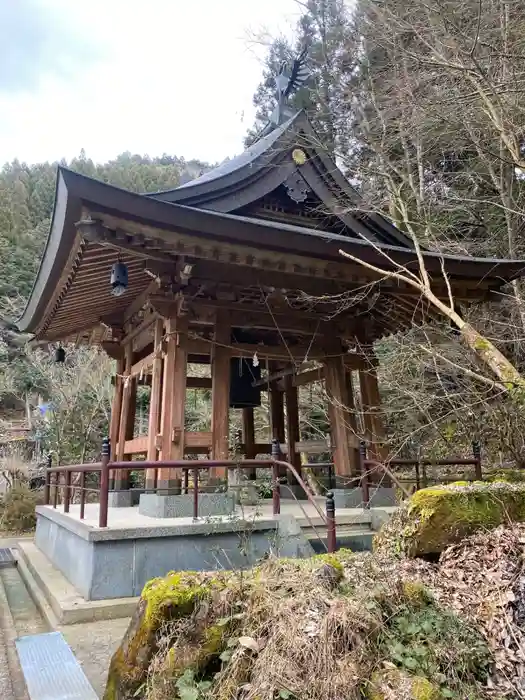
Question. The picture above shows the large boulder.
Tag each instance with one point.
(435, 518)
(333, 626)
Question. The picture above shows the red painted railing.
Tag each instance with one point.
(53, 483)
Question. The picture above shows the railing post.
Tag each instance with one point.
(331, 537)
(82, 494)
(418, 476)
(56, 483)
(364, 474)
(67, 490)
(476, 451)
(47, 483)
(276, 486)
(195, 493)
(104, 485)
(331, 480)
(185, 482)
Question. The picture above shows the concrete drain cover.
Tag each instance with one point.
(6, 557)
(51, 670)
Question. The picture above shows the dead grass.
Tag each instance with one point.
(315, 630)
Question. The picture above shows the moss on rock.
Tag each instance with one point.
(392, 684)
(437, 517)
(163, 599)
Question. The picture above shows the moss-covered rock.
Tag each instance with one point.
(163, 600)
(392, 684)
(437, 517)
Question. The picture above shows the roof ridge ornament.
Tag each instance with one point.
(287, 83)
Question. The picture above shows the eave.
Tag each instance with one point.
(206, 231)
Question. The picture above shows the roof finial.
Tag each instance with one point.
(287, 84)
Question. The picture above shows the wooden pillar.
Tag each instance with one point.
(155, 404)
(372, 418)
(343, 441)
(127, 419)
(173, 402)
(220, 393)
(116, 409)
(292, 424)
(352, 418)
(248, 437)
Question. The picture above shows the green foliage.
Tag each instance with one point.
(430, 642)
(17, 509)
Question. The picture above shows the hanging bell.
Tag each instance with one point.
(119, 279)
(60, 354)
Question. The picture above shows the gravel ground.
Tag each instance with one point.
(94, 643)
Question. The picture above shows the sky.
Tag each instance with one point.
(146, 76)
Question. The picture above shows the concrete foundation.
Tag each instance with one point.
(120, 499)
(107, 563)
(157, 506)
(353, 498)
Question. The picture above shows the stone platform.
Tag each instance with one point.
(116, 562)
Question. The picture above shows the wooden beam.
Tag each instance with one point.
(145, 363)
(136, 446)
(199, 382)
(203, 439)
(220, 390)
(312, 375)
(299, 352)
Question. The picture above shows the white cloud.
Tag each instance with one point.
(171, 76)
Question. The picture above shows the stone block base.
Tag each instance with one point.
(120, 499)
(293, 491)
(353, 498)
(106, 563)
(157, 506)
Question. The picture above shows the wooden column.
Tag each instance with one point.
(292, 425)
(220, 395)
(372, 418)
(343, 441)
(173, 402)
(248, 438)
(127, 418)
(155, 404)
(352, 418)
(116, 409)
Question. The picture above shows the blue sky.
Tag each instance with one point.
(148, 76)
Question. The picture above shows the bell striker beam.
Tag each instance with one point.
(155, 404)
(220, 395)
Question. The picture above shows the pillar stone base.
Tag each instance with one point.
(120, 499)
(380, 496)
(293, 491)
(181, 506)
(169, 488)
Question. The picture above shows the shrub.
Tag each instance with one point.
(17, 509)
